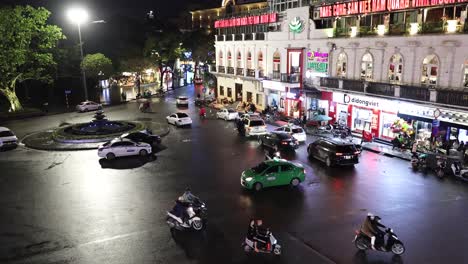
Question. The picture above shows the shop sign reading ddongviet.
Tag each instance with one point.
(317, 61)
(372, 6)
(246, 21)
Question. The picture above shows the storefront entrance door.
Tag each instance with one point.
(239, 92)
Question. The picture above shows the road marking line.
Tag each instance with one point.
(98, 241)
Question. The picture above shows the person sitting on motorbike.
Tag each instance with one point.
(202, 111)
(370, 227)
(260, 236)
(186, 199)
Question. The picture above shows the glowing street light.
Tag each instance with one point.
(80, 16)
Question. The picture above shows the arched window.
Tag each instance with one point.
(367, 67)
(239, 59)
(276, 62)
(260, 61)
(229, 57)
(341, 65)
(220, 58)
(430, 70)
(395, 68)
(249, 60)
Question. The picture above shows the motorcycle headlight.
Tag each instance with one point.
(248, 179)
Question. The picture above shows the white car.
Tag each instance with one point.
(88, 106)
(182, 101)
(247, 115)
(227, 114)
(179, 119)
(121, 147)
(254, 126)
(7, 138)
(296, 131)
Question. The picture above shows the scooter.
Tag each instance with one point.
(272, 246)
(459, 172)
(145, 107)
(393, 244)
(418, 161)
(195, 220)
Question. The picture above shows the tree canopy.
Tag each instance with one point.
(26, 46)
(96, 65)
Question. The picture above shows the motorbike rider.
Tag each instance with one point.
(258, 234)
(185, 200)
(370, 227)
(202, 111)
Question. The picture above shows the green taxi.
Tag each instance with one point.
(275, 172)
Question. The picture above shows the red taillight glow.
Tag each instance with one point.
(268, 247)
(284, 143)
(339, 154)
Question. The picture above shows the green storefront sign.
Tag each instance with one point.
(317, 66)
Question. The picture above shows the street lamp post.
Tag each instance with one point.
(79, 16)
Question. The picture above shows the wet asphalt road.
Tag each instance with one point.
(71, 207)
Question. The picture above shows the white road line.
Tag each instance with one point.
(98, 241)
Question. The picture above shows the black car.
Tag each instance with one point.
(279, 140)
(143, 137)
(334, 152)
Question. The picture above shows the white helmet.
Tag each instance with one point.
(371, 216)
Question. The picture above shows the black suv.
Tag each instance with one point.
(334, 152)
(279, 140)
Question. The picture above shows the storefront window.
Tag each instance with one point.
(249, 60)
(430, 70)
(341, 65)
(229, 57)
(221, 90)
(367, 67)
(465, 74)
(220, 59)
(362, 119)
(388, 120)
(395, 70)
(258, 100)
(249, 97)
(229, 92)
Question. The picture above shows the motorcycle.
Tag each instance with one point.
(459, 172)
(196, 217)
(145, 107)
(418, 162)
(393, 244)
(272, 246)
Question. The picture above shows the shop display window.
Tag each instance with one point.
(388, 120)
(430, 69)
(362, 119)
(423, 130)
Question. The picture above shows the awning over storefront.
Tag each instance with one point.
(448, 124)
(414, 117)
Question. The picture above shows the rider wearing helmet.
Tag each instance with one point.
(185, 200)
(370, 227)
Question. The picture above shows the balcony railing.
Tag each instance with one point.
(432, 27)
(397, 29)
(353, 85)
(221, 69)
(239, 71)
(276, 75)
(230, 70)
(261, 74)
(414, 92)
(329, 82)
(381, 89)
(452, 97)
(251, 72)
(291, 78)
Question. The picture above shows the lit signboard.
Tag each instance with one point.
(317, 61)
(372, 6)
(246, 21)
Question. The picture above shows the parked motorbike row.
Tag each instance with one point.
(441, 165)
(186, 216)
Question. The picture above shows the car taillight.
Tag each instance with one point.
(339, 154)
(284, 142)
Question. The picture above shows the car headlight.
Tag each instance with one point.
(248, 179)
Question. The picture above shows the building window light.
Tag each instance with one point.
(353, 32)
(452, 26)
(414, 28)
(381, 30)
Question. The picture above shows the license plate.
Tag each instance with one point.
(348, 157)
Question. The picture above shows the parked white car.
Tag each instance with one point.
(182, 101)
(179, 119)
(227, 114)
(88, 106)
(296, 131)
(121, 147)
(7, 138)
